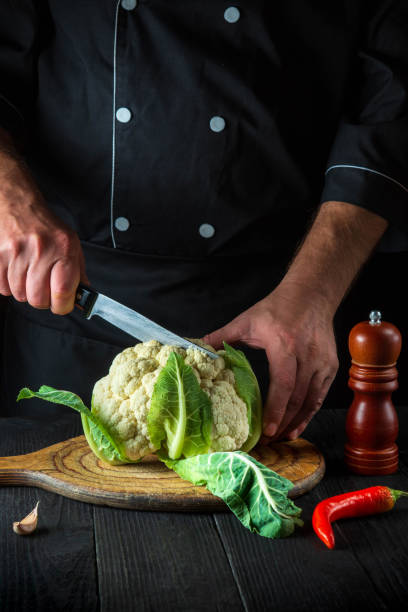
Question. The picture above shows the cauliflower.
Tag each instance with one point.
(122, 399)
(167, 400)
(191, 410)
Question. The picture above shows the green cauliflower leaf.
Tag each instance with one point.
(180, 415)
(96, 433)
(256, 495)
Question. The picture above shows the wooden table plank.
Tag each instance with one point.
(53, 569)
(20, 435)
(377, 546)
(169, 561)
(365, 570)
(295, 573)
(162, 561)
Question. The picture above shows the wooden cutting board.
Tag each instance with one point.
(71, 469)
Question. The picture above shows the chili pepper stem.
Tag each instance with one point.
(395, 494)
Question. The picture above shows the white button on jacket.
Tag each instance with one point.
(217, 124)
(128, 5)
(206, 230)
(232, 14)
(122, 224)
(123, 114)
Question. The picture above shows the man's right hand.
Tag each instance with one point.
(41, 260)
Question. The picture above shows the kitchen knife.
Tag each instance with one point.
(93, 303)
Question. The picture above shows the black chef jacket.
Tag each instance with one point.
(188, 144)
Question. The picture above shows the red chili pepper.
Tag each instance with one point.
(373, 500)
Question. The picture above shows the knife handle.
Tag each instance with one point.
(85, 299)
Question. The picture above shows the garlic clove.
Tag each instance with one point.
(28, 524)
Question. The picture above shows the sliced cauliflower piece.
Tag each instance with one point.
(164, 353)
(230, 423)
(206, 366)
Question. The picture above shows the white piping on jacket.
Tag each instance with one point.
(114, 126)
(368, 170)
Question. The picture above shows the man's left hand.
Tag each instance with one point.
(296, 332)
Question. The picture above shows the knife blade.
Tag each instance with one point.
(133, 323)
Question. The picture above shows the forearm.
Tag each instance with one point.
(10, 157)
(294, 323)
(41, 259)
(338, 244)
(19, 194)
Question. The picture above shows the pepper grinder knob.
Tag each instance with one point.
(375, 317)
(372, 422)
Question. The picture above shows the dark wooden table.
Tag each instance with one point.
(86, 557)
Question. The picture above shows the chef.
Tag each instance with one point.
(225, 170)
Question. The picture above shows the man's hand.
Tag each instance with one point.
(294, 324)
(297, 335)
(41, 259)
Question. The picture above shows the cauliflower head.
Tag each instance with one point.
(122, 399)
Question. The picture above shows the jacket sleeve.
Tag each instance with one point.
(18, 62)
(368, 164)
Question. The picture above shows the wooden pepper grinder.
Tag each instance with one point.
(372, 422)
